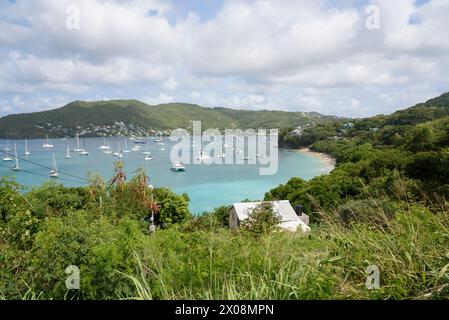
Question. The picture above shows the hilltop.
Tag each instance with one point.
(132, 116)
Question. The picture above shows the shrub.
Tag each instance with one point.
(262, 219)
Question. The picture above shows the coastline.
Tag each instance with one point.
(328, 161)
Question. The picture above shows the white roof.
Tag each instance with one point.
(290, 220)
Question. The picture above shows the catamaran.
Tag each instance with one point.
(54, 169)
(27, 151)
(68, 156)
(16, 166)
(47, 144)
(78, 148)
(126, 147)
(178, 167)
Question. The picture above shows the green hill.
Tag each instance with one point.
(93, 118)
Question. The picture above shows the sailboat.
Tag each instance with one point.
(108, 150)
(119, 153)
(54, 169)
(104, 146)
(126, 147)
(178, 167)
(7, 157)
(16, 166)
(146, 153)
(68, 156)
(7, 148)
(47, 144)
(78, 148)
(27, 151)
(83, 151)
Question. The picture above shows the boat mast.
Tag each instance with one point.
(17, 167)
(55, 166)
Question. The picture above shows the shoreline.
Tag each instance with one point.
(329, 161)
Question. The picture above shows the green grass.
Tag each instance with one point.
(411, 252)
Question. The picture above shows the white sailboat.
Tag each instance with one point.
(136, 148)
(54, 169)
(78, 148)
(7, 156)
(104, 146)
(7, 148)
(108, 150)
(83, 151)
(16, 166)
(47, 144)
(27, 151)
(146, 153)
(119, 153)
(68, 156)
(126, 147)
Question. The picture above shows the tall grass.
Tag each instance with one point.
(411, 250)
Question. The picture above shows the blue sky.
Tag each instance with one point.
(246, 54)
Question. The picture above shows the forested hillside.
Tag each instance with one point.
(96, 117)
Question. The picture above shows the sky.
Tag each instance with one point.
(351, 58)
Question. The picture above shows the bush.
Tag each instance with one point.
(262, 219)
(96, 246)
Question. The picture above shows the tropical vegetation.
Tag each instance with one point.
(385, 205)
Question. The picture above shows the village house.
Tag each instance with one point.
(291, 220)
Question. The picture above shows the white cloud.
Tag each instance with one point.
(297, 55)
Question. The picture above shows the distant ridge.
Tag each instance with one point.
(133, 116)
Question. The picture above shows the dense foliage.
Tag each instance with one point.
(407, 151)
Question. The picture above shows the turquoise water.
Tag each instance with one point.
(207, 186)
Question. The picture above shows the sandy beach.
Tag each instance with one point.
(328, 161)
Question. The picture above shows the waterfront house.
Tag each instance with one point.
(292, 220)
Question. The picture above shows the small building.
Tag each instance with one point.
(297, 132)
(291, 220)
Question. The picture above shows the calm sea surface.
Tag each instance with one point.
(207, 186)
